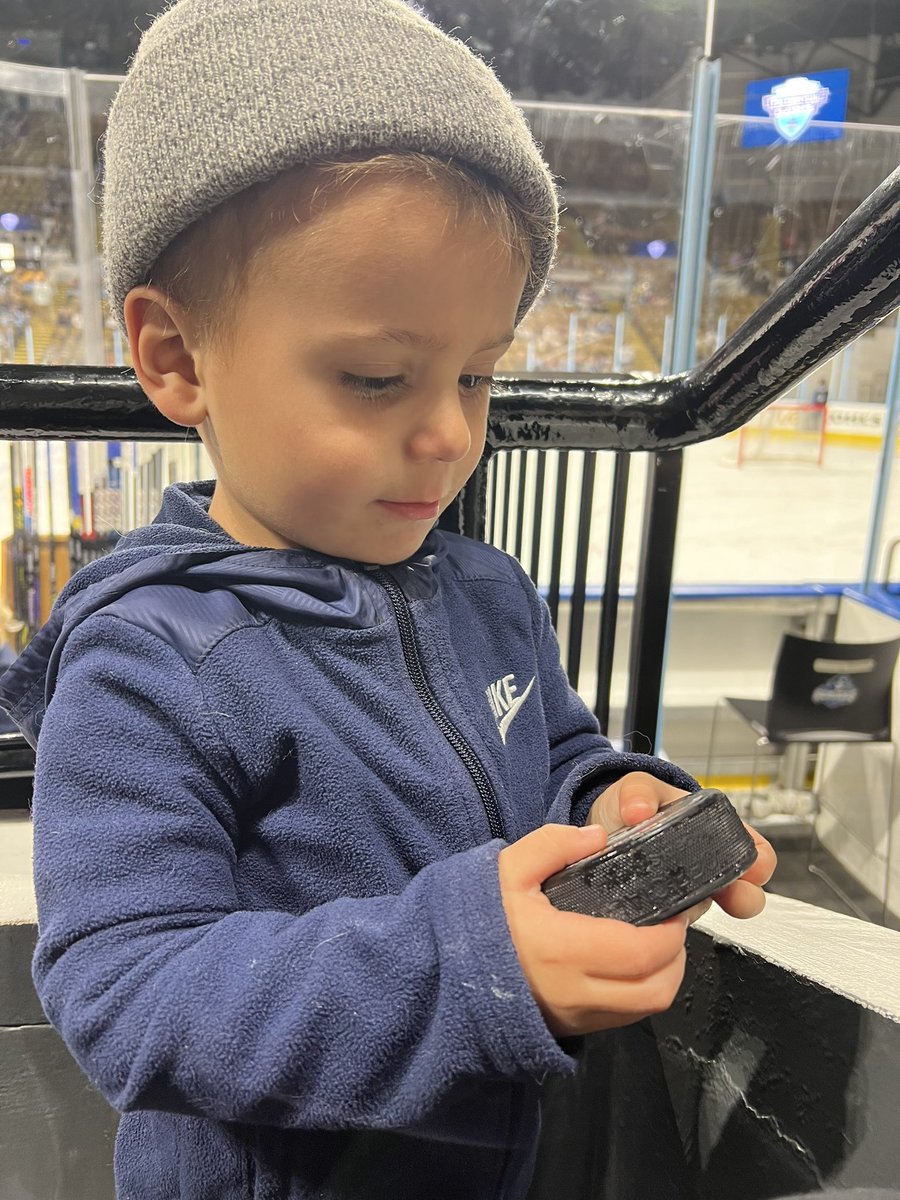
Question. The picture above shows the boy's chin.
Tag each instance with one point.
(390, 557)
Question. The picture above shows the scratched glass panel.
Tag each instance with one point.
(40, 299)
(630, 52)
(793, 489)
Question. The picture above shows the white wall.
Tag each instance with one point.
(858, 791)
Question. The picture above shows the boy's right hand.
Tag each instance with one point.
(586, 973)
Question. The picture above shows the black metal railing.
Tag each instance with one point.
(844, 288)
(516, 502)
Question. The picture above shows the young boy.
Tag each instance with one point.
(288, 855)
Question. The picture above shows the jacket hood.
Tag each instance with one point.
(184, 546)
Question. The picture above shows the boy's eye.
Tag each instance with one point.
(471, 383)
(372, 385)
(369, 384)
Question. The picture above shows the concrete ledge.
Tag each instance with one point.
(17, 902)
(18, 923)
(852, 958)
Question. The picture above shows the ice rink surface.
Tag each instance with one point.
(776, 519)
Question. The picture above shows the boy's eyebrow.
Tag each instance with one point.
(407, 337)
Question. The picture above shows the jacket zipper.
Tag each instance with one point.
(407, 627)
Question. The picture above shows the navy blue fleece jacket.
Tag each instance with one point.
(270, 793)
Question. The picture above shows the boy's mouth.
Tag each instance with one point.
(412, 510)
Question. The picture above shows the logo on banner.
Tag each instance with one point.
(792, 105)
(837, 692)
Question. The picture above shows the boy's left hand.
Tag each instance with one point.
(637, 796)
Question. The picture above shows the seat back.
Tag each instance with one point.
(832, 690)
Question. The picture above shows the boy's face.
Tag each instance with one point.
(352, 406)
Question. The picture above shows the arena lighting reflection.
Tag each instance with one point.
(846, 286)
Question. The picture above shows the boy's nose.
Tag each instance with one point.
(442, 429)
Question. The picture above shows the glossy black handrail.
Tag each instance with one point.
(845, 287)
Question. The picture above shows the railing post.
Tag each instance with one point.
(885, 465)
(652, 601)
(84, 217)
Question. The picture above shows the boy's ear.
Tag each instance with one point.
(161, 350)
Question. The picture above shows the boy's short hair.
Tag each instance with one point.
(208, 265)
(223, 95)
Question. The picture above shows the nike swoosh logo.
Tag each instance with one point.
(508, 717)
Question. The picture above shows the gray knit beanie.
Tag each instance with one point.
(223, 94)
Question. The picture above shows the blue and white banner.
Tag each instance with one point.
(790, 106)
